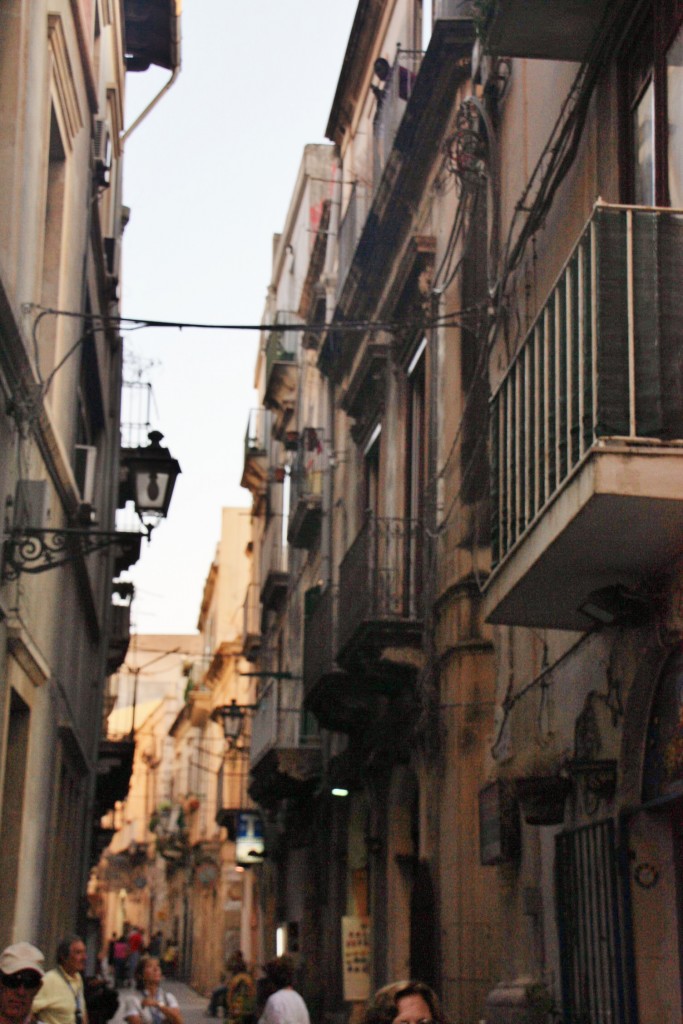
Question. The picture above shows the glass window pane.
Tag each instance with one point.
(643, 136)
(674, 91)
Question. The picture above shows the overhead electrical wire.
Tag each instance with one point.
(136, 323)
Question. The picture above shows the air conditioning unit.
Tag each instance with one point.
(101, 144)
(85, 456)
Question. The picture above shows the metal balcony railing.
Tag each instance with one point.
(601, 361)
(380, 577)
(282, 346)
(308, 466)
(258, 432)
(391, 108)
(274, 563)
(320, 638)
(350, 229)
(274, 553)
(280, 721)
(251, 629)
(198, 671)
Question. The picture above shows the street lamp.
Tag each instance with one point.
(232, 717)
(147, 477)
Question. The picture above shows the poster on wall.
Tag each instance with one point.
(356, 957)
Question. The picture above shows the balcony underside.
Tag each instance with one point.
(285, 773)
(545, 29)
(255, 473)
(337, 701)
(274, 590)
(305, 521)
(251, 646)
(385, 653)
(281, 389)
(618, 519)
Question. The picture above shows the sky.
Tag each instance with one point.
(208, 176)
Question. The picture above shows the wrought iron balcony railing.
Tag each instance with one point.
(351, 228)
(281, 723)
(282, 346)
(274, 561)
(320, 638)
(255, 469)
(306, 494)
(380, 585)
(251, 629)
(391, 107)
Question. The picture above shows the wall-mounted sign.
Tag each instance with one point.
(249, 843)
(356, 957)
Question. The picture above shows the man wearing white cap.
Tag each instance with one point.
(21, 975)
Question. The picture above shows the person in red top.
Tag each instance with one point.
(135, 945)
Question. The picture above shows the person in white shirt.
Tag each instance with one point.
(285, 1005)
(151, 1004)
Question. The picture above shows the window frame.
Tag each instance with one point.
(659, 26)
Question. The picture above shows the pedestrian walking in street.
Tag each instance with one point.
(285, 1005)
(21, 975)
(120, 961)
(136, 941)
(61, 999)
(151, 1004)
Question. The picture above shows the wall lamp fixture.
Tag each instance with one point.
(147, 477)
(232, 716)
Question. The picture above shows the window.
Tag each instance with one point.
(371, 474)
(652, 109)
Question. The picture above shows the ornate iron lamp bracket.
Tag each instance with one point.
(34, 550)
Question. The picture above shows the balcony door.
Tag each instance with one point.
(652, 109)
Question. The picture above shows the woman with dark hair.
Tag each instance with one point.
(284, 1006)
(152, 1005)
(404, 1002)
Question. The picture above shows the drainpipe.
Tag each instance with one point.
(174, 74)
(330, 283)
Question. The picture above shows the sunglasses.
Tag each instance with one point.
(25, 979)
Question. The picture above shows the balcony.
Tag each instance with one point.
(119, 637)
(255, 472)
(330, 693)
(285, 756)
(380, 630)
(587, 427)
(546, 29)
(306, 495)
(350, 229)
(398, 89)
(274, 564)
(282, 368)
(251, 629)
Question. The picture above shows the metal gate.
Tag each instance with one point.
(589, 922)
